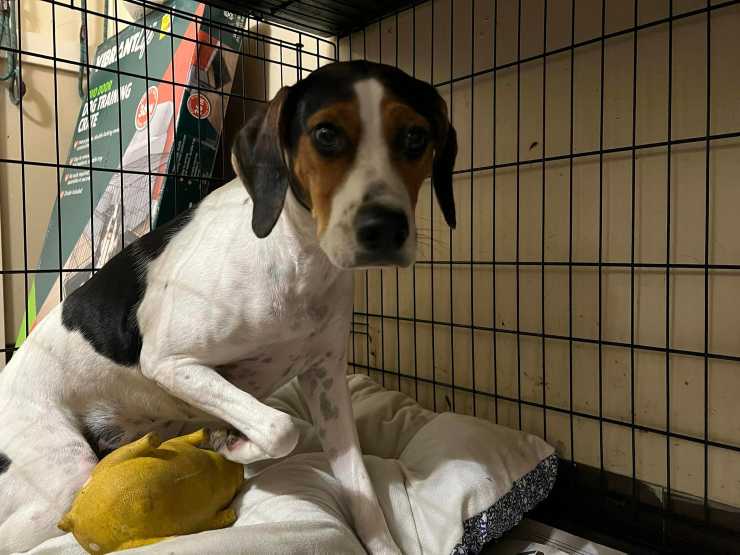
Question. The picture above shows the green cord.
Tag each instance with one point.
(83, 50)
(84, 44)
(105, 20)
(8, 26)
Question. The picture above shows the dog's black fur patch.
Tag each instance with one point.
(103, 309)
(4, 462)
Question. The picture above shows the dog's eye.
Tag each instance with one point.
(415, 141)
(328, 139)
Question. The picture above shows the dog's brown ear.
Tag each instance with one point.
(445, 152)
(259, 159)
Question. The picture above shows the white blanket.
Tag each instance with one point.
(431, 472)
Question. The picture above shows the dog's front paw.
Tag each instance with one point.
(235, 447)
(284, 436)
(222, 439)
(280, 437)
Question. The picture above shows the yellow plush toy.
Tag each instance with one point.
(145, 492)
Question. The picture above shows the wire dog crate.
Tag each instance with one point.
(590, 293)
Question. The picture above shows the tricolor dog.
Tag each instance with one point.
(202, 318)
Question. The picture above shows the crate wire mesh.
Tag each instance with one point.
(589, 294)
(585, 296)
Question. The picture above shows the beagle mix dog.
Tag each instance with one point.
(201, 319)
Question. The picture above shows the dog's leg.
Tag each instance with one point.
(46, 462)
(327, 395)
(269, 431)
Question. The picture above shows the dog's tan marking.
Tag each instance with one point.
(398, 116)
(319, 175)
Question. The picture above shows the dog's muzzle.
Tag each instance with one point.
(381, 234)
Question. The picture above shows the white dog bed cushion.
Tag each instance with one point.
(447, 483)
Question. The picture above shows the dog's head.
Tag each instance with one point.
(355, 141)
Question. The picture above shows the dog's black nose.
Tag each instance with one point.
(381, 229)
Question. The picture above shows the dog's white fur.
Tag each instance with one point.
(226, 319)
